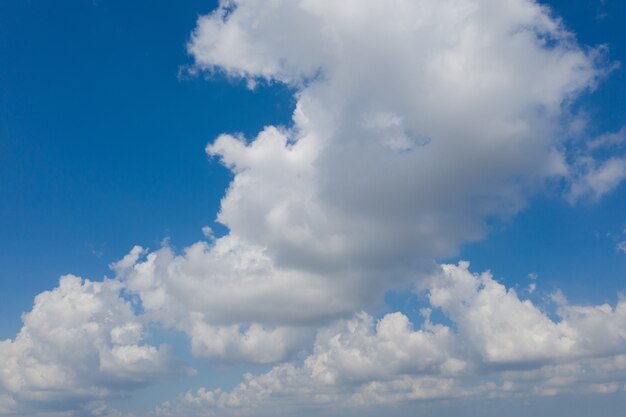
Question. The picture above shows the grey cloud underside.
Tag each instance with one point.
(415, 122)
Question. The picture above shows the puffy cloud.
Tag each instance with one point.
(415, 121)
(506, 330)
(232, 300)
(355, 351)
(81, 341)
(494, 321)
(256, 343)
(354, 362)
(498, 345)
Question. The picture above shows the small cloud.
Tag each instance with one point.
(621, 246)
(596, 179)
(251, 84)
(533, 285)
(608, 140)
(95, 250)
(558, 297)
(208, 233)
(128, 261)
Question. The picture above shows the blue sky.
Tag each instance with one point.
(105, 112)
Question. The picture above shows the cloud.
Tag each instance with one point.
(614, 139)
(231, 299)
(598, 168)
(506, 330)
(357, 351)
(415, 122)
(596, 178)
(80, 342)
(498, 345)
(499, 326)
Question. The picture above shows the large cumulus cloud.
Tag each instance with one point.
(416, 122)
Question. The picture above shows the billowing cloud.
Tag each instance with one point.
(498, 345)
(415, 122)
(595, 178)
(80, 342)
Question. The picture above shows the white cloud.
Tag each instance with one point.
(356, 351)
(597, 178)
(354, 362)
(231, 299)
(499, 346)
(80, 342)
(494, 321)
(415, 121)
(505, 329)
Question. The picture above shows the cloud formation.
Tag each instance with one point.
(497, 345)
(416, 122)
(80, 342)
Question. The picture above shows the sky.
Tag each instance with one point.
(312, 207)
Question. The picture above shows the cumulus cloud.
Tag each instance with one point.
(598, 167)
(80, 342)
(612, 140)
(494, 321)
(504, 329)
(357, 351)
(415, 122)
(231, 299)
(498, 345)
